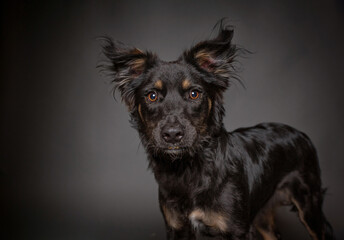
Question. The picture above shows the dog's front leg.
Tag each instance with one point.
(186, 232)
(177, 226)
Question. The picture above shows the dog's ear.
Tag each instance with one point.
(126, 65)
(215, 57)
(215, 60)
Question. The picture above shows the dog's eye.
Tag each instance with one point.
(152, 96)
(194, 94)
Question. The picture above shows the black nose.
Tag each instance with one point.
(172, 134)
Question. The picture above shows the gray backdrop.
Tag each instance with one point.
(71, 165)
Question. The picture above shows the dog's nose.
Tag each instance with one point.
(172, 134)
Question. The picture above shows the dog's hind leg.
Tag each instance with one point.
(265, 225)
(308, 201)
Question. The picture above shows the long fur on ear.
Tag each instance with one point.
(215, 60)
(126, 65)
(215, 57)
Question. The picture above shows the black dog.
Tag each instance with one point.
(212, 182)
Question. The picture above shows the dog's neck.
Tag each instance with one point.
(176, 175)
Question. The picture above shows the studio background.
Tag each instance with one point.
(71, 167)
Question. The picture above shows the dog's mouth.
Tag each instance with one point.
(175, 150)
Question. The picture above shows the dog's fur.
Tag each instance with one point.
(221, 184)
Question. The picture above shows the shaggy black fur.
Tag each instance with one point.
(221, 184)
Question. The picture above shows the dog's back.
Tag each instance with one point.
(282, 168)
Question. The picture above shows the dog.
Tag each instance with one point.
(214, 183)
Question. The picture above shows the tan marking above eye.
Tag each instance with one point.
(209, 218)
(158, 84)
(186, 84)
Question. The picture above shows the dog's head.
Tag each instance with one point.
(176, 106)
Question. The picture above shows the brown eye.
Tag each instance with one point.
(153, 96)
(194, 94)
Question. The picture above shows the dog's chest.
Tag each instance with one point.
(195, 206)
(200, 218)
